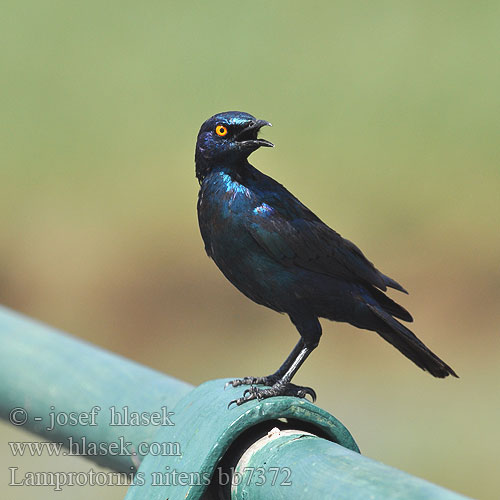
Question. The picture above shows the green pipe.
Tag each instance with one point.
(212, 437)
(290, 464)
(45, 373)
(48, 375)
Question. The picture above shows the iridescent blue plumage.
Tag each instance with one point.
(281, 255)
(263, 209)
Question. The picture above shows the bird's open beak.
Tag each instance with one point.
(248, 136)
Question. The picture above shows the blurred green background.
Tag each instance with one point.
(386, 121)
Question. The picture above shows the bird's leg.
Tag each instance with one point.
(270, 380)
(310, 330)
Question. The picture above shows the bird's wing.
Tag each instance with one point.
(308, 243)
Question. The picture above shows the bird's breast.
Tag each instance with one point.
(226, 210)
(223, 209)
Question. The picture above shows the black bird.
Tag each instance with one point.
(279, 254)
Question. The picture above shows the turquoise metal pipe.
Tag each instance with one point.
(281, 448)
(47, 375)
(295, 465)
(52, 385)
(213, 437)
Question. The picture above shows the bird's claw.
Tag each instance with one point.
(307, 391)
(276, 390)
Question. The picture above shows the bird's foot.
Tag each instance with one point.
(270, 380)
(278, 389)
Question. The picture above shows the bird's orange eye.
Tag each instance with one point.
(221, 130)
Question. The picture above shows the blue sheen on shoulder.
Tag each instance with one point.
(262, 209)
(232, 186)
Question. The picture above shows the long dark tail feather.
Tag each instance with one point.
(389, 305)
(392, 283)
(408, 344)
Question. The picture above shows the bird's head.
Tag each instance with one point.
(227, 138)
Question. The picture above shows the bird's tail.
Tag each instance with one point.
(408, 344)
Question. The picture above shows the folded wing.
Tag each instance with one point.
(305, 241)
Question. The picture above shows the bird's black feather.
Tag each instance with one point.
(281, 255)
